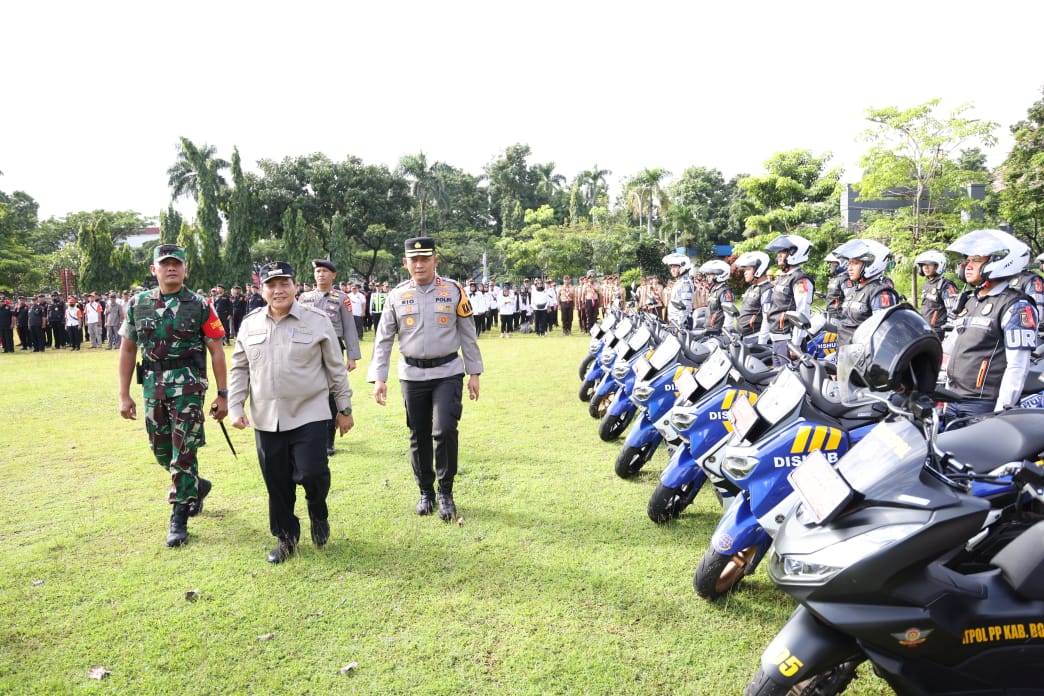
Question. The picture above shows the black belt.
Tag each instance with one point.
(160, 365)
(434, 362)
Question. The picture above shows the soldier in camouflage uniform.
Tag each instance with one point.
(172, 325)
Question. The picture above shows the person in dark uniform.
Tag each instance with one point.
(22, 322)
(432, 317)
(793, 290)
(337, 306)
(756, 299)
(939, 293)
(837, 283)
(995, 332)
(869, 293)
(254, 298)
(38, 323)
(223, 308)
(239, 309)
(717, 272)
(7, 324)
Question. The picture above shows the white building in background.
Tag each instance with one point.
(142, 237)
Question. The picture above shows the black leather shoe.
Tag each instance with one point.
(203, 489)
(330, 451)
(447, 510)
(282, 551)
(425, 505)
(320, 532)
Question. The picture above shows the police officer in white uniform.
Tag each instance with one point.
(338, 307)
(433, 319)
(679, 307)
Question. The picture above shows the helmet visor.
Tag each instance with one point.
(852, 362)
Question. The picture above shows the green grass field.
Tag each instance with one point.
(554, 582)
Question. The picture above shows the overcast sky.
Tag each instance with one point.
(96, 94)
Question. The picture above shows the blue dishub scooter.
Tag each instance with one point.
(653, 396)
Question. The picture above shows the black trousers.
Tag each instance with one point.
(7, 337)
(37, 338)
(288, 459)
(433, 409)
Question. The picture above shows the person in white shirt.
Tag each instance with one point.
(93, 313)
(539, 298)
(358, 308)
(507, 302)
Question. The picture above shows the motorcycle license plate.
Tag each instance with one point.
(743, 417)
(687, 386)
(642, 369)
(823, 491)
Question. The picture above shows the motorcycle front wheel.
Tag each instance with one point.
(829, 683)
(584, 364)
(666, 503)
(719, 574)
(599, 405)
(631, 459)
(612, 427)
(587, 390)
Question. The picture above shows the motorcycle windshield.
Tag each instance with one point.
(781, 397)
(714, 369)
(885, 467)
(640, 338)
(666, 352)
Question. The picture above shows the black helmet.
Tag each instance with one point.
(892, 349)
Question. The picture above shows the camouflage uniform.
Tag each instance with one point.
(170, 332)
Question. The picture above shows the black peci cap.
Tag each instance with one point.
(275, 269)
(323, 263)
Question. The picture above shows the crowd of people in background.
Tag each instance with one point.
(531, 305)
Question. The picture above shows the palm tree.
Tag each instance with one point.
(644, 193)
(593, 185)
(547, 181)
(425, 185)
(197, 173)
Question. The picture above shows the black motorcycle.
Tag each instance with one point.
(921, 554)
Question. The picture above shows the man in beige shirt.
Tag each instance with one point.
(287, 361)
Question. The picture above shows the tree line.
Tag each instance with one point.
(523, 218)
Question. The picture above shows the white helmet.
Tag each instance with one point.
(797, 245)
(1040, 259)
(676, 259)
(932, 256)
(871, 252)
(758, 260)
(1008, 256)
(832, 258)
(716, 270)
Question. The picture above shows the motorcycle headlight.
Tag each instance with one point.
(739, 462)
(608, 358)
(682, 419)
(592, 347)
(620, 369)
(820, 566)
(642, 391)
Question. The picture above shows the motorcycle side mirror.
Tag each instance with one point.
(730, 309)
(797, 319)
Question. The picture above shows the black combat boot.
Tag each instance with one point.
(203, 489)
(447, 509)
(178, 533)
